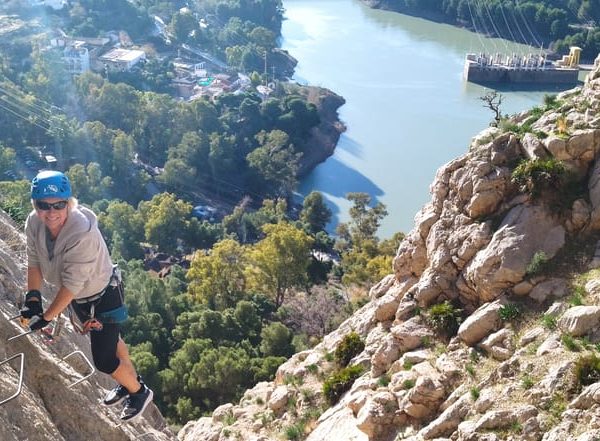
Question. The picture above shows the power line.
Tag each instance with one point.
(496, 31)
(514, 17)
(475, 26)
(518, 7)
(23, 99)
(25, 118)
(479, 15)
(508, 27)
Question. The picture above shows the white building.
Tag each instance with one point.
(77, 58)
(122, 59)
(54, 4)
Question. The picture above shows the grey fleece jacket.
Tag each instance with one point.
(81, 261)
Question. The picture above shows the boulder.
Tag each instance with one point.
(447, 422)
(580, 320)
(411, 334)
(337, 424)
(525, 231)
(533, 147)
(549, 289)
(481, 323)
(376, 414)
(279, 399)
(380, 288)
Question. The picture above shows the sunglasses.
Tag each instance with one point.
(45, 206)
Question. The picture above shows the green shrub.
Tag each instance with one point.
(475, 392)
(340, 382)
(549, 321)
(509, 312)
(538, 175)
(551, 102)
(408, 384)
(384, 380)
(470, 369)
(587, 369)
(444, 318)
(15, 212)
(576, 298)
(312, 368)
(555, 407)
(537, 264)
(294, 432)
(569, 343)
(527, 382)
(350, 347)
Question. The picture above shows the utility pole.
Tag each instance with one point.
(265, 72)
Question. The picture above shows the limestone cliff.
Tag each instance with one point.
(509, 370)
(47, 408)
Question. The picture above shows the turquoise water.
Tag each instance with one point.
(408, 110)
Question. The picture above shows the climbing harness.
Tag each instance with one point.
(91, 324)
(95, 321)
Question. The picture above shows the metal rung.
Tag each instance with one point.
(88, 363)
(19, 335)
(20, 386)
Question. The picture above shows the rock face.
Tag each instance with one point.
(479, 244)
(47, 408)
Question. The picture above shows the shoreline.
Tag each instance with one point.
(323, 138)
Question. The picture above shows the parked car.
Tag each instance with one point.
(204, 212)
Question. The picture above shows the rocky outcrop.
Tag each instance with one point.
(480, 245)
(48, 408)
(322, 139)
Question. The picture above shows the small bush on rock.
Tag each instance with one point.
(340, 382)
(350, 347)
(509, 312)
(535, 176)
(537, 264)
(587, 369)
(444, 318)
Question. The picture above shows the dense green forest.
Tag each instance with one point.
(250, 286)
(554, 24)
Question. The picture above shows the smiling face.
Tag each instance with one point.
(53, 218)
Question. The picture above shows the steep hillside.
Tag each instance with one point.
(489, 327)
(47, 409)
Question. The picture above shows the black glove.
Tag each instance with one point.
(37, 322)
(33, 304)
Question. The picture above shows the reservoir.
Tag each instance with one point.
(408, 110)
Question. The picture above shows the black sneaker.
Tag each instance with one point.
(118, 394)
(115, 396)
(136, 403)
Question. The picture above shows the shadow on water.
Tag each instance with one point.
(529, 87)
(351, 146)
(336, 180)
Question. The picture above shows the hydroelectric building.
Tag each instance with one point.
(533, 69)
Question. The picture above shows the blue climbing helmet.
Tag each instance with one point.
(50, 184)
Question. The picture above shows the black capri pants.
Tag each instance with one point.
(103, 342)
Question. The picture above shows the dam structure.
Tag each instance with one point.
(533, 68)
